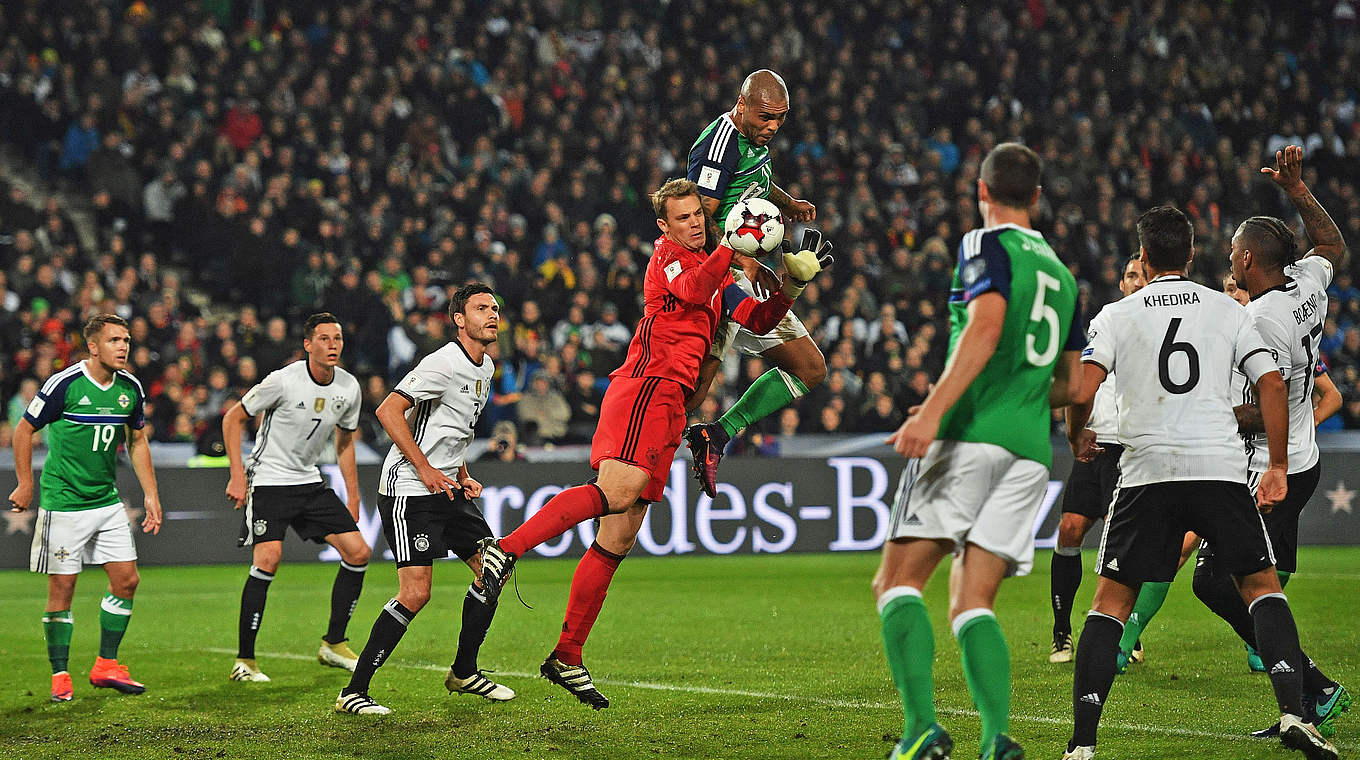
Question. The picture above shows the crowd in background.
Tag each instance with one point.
(215, 171)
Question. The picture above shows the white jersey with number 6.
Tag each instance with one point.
(1289, 319)
(299, 415)
(1173, 347)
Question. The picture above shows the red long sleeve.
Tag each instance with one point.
(698, 284)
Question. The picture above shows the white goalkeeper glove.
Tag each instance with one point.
(802, 267)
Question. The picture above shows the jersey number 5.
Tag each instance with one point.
(1042, 312)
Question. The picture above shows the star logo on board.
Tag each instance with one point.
(19, 522)
(1341, 497)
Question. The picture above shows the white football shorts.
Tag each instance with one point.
(64, 542)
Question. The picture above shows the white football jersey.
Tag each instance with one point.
(1172, 347)
(299, 416)
(447, 393)
(1289, 319)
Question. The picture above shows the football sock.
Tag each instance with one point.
(387, 631)
(1278, 642)
(909, 642)
(349, 582)
(987, 668)
(1094, 675)
(477, 614)
(589, 585)
(115, 613)
(1314, 680)
(57, 627)
(559, 515)
(1150, 599)
(253, 597)
(1218, 592)
(771, 392)
(1065, 579)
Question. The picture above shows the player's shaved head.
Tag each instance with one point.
(1167, 238)
(764, 86)
(1011, 173)
(1269, 239)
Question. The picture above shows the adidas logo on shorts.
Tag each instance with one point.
(1113, 564)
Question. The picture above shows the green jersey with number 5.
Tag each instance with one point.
(1007, 404)
(86, 423)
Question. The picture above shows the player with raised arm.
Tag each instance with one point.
(730, 161)
(283, 486)
(979, 457)
(426, 497)
(1288, 305)
(89, 409)
(1183, 469)
(1086, 499)
(685, 291)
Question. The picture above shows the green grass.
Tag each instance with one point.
(736, 657)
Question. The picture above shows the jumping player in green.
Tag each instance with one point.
(730, 160)
(979, 456)
(89, 410)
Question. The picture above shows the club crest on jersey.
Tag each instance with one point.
(338, 402)
(422, 543)
(61, 554)
(260, 527)
(123, 400)
(319, 404)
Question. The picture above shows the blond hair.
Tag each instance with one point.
(674, 188)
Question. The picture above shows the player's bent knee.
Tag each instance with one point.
(414, 599)
(1072, 530)
(126, 585)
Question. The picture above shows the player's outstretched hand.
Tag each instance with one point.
(1272, 490)
(437, 482)
(802, 211)
(1288, 171)
(913, 439)
(20, 497)
(802, 267)
(763, 279)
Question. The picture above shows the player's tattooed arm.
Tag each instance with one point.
(1321, 230)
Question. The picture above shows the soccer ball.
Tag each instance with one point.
(754, 227)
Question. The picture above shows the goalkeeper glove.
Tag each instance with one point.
(802, 267)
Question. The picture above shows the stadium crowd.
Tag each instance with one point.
(243, 171)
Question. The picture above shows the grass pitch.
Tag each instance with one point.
(702, 657)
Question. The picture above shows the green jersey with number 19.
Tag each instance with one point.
(1007, 404)
(724, 164)
(85, 424)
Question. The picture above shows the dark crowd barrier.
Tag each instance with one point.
(764, 506)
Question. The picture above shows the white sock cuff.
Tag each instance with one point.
(795, 386)
(256, 572)
(1093, 613)
(1252, 607)
(1067, 551)
(391, 609)
(353, 568)
(967, 616)
(896, 592)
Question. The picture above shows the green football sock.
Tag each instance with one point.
(114, 614)
(909, 642)
(57, 627)
(987, 668)
(771, 392)
(1150, 599)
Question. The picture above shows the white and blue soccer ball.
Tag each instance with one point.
(754, 227)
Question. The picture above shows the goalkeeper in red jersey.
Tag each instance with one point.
(685, 292)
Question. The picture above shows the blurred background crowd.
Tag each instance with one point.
(216, 170)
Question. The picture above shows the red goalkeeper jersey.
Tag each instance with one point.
(684, 293)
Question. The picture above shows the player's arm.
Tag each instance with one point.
(1081, 438)
(392, 416)
(1328, 398)
(1322, 231)
(1067, 380)
(1273, 399)
(796, 209)
(139, 451)
(1276, 338)
(233, 423)
(349, 470)
(977, 344)
(696, 285)
(22, 495)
